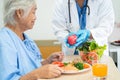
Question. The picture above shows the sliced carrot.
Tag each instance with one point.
(86, 65)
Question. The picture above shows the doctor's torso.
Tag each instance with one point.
(91, 20)
(100, 21)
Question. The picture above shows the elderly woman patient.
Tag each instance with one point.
(20, 58)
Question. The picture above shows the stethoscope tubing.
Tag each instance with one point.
(69, 10)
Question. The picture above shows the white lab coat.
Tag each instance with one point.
(100, 22)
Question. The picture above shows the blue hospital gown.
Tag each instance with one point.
(17, 57)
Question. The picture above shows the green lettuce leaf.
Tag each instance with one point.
(92, 45)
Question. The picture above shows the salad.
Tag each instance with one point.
(90, 50)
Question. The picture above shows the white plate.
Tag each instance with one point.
(75, 72)
(116, 44)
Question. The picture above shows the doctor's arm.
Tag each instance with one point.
(59, 20)
(106, 21)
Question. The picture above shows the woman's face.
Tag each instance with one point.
(28, 21)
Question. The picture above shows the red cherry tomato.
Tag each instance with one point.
(72, 39)
(60, 64)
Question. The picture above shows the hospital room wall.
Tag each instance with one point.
(43, 27)
(114, 36)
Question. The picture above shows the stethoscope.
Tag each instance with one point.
(69, 13)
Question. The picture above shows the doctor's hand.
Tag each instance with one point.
(82, 36)
(70, 40)
(77, 39)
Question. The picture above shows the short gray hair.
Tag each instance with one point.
(12, 5)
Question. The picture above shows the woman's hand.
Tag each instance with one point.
(44, 72)
(56, 56)
(49, 71)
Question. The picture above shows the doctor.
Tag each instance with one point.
(88, 19)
